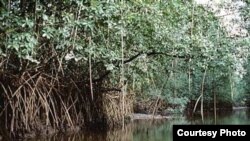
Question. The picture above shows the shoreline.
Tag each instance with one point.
(138, 116)
(240, 108)
(142, 116)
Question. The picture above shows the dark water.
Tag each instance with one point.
(148, 130)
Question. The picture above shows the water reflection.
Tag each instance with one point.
(148, 130)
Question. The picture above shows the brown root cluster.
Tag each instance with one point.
(38, 103)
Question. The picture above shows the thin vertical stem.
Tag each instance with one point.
(174, 76)
(231, 86)
(189, 60)
(202, 94)
(90, 74)
(78, 14)
(122, 74)
(189, 77)
(215, 110)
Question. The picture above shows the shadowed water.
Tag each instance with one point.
(148, 130)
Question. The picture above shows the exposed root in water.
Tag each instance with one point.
(113, 108)
(40, 104)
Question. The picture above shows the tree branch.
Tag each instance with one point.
(117, 63)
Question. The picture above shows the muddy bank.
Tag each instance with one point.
(138, 116)
(239, 108)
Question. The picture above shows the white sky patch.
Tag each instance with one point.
(228, 13)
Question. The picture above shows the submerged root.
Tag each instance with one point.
(39, 104)
(113, 108)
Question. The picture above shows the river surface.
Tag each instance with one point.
(148, 130)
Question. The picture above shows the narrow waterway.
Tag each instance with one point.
(148, 130)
